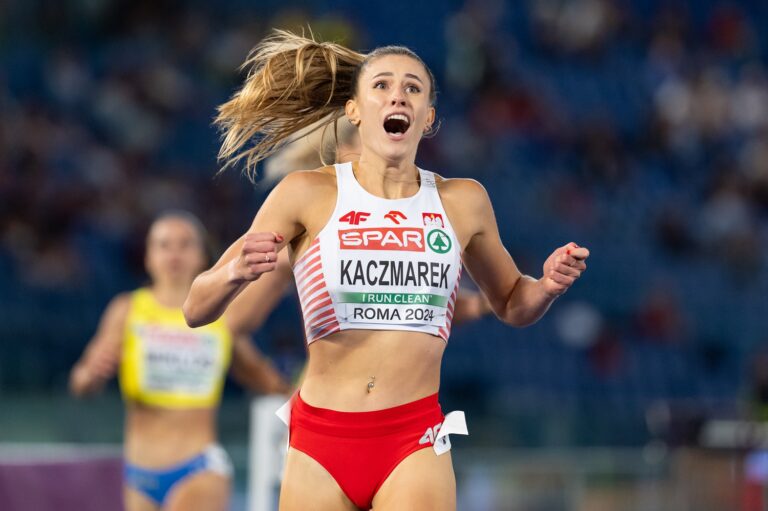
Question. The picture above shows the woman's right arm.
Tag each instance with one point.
(278, 222)
(244, 261)
(102, 355)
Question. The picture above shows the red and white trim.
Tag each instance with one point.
(316, 303)
(445, 331)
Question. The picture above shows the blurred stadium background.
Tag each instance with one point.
(638, 128)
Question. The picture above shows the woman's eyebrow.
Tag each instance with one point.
(389, 73)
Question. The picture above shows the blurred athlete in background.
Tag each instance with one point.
(171, 377)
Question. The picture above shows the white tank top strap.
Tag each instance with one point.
(345, 176)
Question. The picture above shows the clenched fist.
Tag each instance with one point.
(258, 255)
(563, 267)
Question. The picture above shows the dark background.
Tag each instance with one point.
(637, 128)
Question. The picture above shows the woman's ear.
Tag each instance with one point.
(430, 120)
(353, 115)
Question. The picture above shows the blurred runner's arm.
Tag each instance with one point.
(102, 355)
(470, 306)
(251, 369)
(248, 312)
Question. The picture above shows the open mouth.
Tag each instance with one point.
(397, 124)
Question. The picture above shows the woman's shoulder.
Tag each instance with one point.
(461, 190)
(309, 179)
(305, 194)
(119, 306)
(467, 204)
(320, 174)
(122, 301)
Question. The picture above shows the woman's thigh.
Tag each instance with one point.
(203, 491)
(134, 500)
(307, 485)
(421, 481)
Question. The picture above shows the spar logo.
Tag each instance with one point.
(438, 241)
(406, 239)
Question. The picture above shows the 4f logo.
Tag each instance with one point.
(430, 435)
(394, 215)
(355, 217)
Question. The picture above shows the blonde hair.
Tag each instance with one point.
(315, 146)
(294, 85)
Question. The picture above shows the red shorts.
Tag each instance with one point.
(361, 449)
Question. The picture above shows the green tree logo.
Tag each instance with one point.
(438, 241)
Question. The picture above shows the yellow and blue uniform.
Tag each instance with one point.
(169, 365)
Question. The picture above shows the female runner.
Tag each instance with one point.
(377, 247)
(171, 377)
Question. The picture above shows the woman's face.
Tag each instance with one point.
(175, 252)
(392, 105)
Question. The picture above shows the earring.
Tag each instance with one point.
(427, 129)
(354, 122)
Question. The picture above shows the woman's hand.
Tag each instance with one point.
(258, 255)
(563, 267)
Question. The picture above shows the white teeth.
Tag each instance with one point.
(399, 117)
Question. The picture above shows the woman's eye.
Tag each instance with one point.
(413, 88)
(379, 85)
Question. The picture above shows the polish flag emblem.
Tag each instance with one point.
(433, 219)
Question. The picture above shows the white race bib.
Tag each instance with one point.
(393, 314)
(179, 362)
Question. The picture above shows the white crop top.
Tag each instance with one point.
(381, 264)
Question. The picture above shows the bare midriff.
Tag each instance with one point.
(403, 367)
(158, 437)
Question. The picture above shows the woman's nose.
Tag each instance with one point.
(398, 98)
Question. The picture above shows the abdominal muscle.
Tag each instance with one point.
(403, 366)
(158, 437)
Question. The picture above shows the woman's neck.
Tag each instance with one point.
(391, 180)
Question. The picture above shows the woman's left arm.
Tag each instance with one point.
(517, 299)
